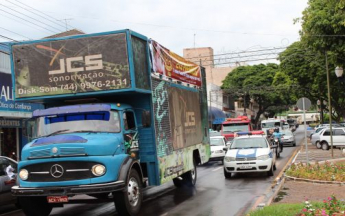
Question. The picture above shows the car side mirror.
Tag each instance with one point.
(146, 118)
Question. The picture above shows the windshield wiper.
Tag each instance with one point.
(56, 132)
(87, 131)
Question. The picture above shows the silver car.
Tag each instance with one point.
(288, 138)
(8, 175)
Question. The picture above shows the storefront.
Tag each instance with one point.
(12, 114)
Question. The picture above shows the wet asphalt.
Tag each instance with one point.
(213, 195)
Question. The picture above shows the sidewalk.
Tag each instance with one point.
(317, 155)
(298, 192)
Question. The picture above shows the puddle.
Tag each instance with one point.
(280, 195)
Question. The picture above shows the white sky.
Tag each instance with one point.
(225, 25)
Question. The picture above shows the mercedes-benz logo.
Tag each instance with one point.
(56, 171)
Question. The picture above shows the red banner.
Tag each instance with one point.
(172, 65)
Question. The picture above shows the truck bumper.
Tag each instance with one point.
(69, 190)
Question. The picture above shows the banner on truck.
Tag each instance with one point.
(84, 64)
(170, 64)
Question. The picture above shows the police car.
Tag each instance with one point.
(250, 152)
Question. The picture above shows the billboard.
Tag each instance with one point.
(84, 64)
(9, 108)
(170, 64)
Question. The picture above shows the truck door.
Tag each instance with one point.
(130, 131)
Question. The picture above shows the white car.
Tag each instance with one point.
(338, 135)
(250, 153)
(217, 143)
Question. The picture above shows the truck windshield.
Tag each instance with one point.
(236, 127)
(100, 121)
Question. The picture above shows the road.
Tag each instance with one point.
(213, 194)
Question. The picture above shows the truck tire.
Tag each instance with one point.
(187, 179)
(128, 202)
(35, 206)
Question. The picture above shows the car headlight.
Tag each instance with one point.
(263, 157)
(229, 159)
(23, 174)
(98, 170)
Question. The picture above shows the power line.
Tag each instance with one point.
(8, 38)
(35, 13)
(29, 17)
(236, 57)
(15, 33)
(249, 60)
(241, 52)
(42, 13)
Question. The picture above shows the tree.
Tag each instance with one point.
(263, 83)
(323, 33)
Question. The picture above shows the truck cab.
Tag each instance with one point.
(233, 125)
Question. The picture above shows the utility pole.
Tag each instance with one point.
(329, 105)
(65, 22)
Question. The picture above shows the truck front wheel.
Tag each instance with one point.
(128, 202)
(35, 206)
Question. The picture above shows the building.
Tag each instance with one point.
(217, 99)
(12, 114)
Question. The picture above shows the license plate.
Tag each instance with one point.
(246, 167)
(57, 199)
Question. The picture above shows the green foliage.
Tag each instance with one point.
(278, 210)
(263, 83)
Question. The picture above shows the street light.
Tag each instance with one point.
(339, 73)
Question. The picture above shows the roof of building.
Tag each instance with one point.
(67, 33)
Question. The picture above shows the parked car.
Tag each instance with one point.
(315, 137)
(8, 175)
(288, 138)
(250, 153)
(338, 135)
(217, 143)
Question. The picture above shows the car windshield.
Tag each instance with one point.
(217, 141)
(236, 127)
(98, 121)
(251, 142)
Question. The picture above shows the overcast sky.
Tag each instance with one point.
(225, 25)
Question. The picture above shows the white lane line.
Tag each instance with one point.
(217, 169)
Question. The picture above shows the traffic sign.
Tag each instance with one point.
(303, 103)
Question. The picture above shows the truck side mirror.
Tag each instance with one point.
(146, 118)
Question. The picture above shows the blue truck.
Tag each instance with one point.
(121, 113)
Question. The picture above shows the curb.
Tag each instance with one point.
(278, 182)
(290, 178)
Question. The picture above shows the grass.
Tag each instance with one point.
(278, 210)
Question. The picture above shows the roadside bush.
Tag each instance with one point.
(329, 207)
(325, 172)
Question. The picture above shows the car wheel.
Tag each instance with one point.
(294, 144)
(270, 172)
(274, 166)
(325, 146)
(226, 174)
(318, 145)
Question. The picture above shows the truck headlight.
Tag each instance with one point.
(23, 174)
(98, 170)
(229, 159)
(263, 157)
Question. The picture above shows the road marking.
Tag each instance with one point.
(217, 169)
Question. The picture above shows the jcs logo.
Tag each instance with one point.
(190, 119)
(92, 62)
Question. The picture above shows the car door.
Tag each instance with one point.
(339, 137)
(8, 170)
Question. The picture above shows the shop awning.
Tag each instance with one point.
(216, 115)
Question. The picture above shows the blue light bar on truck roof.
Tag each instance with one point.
(72, 109)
